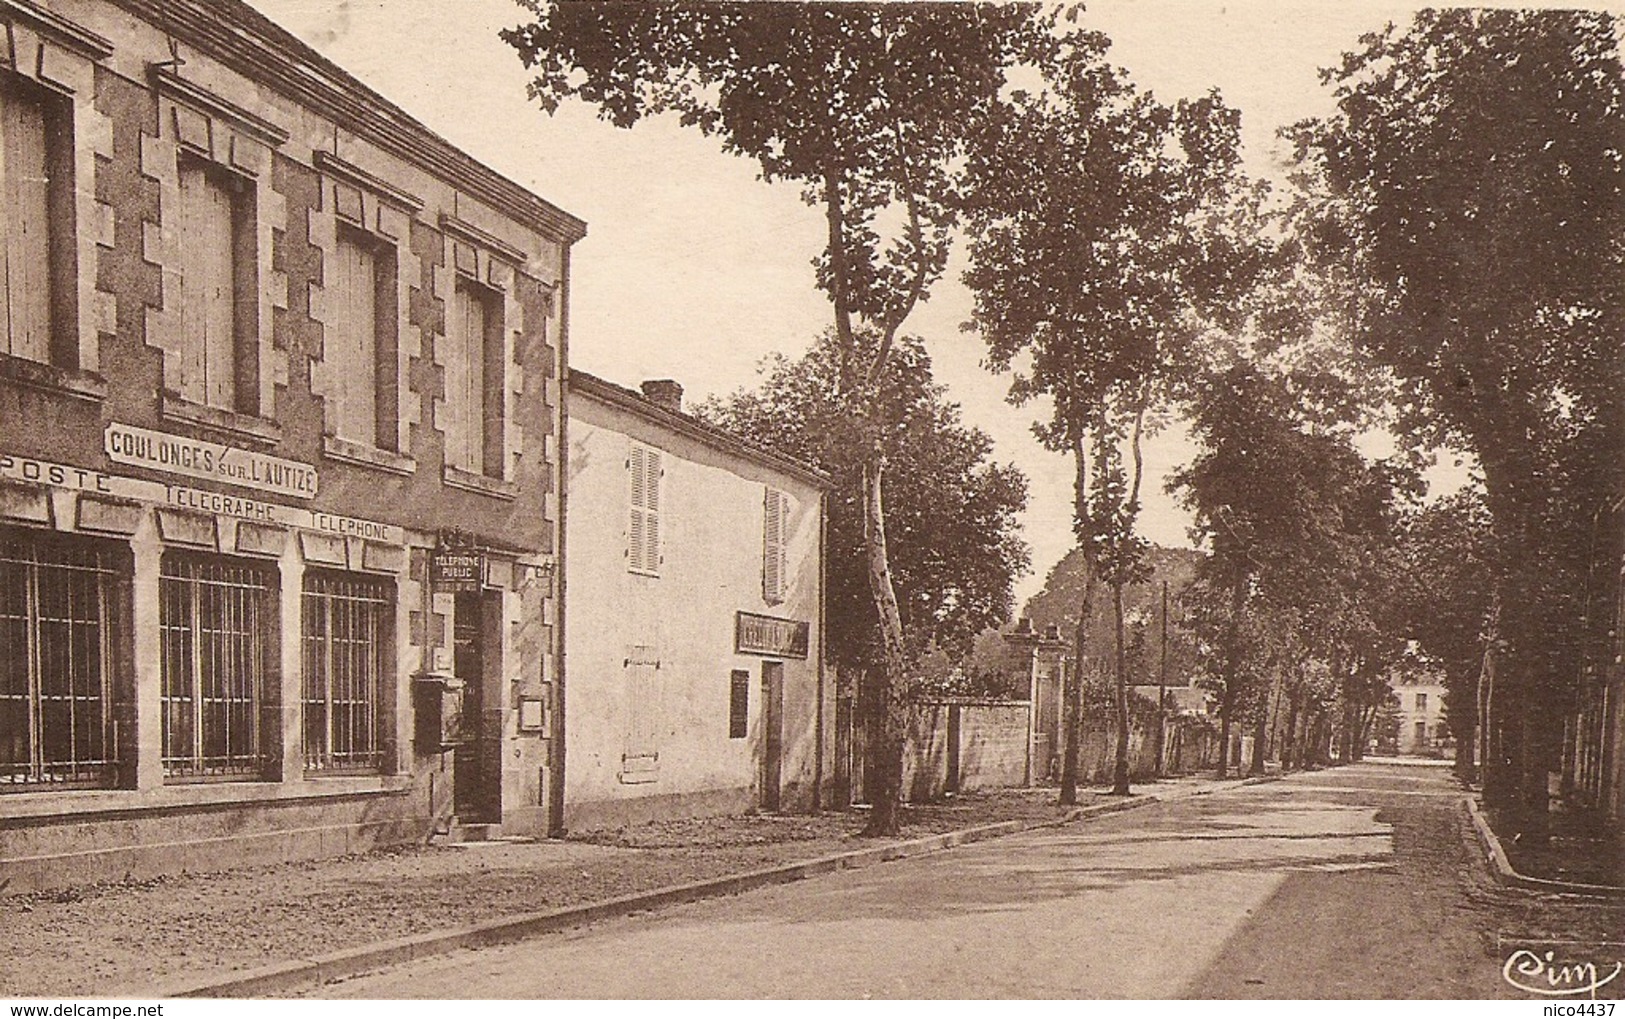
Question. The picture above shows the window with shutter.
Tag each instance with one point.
(643, 533)
(218, 282)
(474, 380)
(361, 341)
(27, 189)
(775, 522)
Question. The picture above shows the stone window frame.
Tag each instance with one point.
(484, 260)
(59, 56)
(353, 198)
(195, 123)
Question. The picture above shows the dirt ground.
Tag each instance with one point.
(130, 939)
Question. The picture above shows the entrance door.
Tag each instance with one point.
(772, 733)
(471, 784)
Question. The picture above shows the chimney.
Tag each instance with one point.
(664, 393)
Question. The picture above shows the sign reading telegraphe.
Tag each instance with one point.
(83, 479)
(199, 458)
(770, 635)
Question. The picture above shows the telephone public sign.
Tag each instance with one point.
(457, 569)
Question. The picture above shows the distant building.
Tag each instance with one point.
(694, 639)
(280, 408)
(1422, 729)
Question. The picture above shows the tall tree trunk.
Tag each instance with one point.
(1120, 770)
(1132, 510)
(1289, 745)
(1072, 692)
(1072, 688)
(883, 816)
(1232, 670)
(1261, 729)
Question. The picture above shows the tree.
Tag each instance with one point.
(866, 106)
(953, 514)
(1087, 209)
(1300, 529)
(1446, 549)
(1471, 186)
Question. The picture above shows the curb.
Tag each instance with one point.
(1503, 871)
(320, 969)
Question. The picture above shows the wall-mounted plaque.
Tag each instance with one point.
(456, 569)
(771, 636)
(199, 458)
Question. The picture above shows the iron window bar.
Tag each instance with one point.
(347, 629)
(62, 615)
(215, 618)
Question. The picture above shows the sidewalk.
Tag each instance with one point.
(194, 932)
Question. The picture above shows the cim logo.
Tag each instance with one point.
(1561, 969)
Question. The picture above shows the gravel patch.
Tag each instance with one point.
(129, 938)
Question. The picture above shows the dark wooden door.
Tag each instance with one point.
(772, 733)
(471, 788)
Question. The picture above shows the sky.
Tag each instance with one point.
(695, 270)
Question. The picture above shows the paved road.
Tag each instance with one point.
(1354, 882)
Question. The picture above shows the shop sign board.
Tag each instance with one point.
(211, 461)
(82, 479)
(771, 636)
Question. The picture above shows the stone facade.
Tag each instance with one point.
(269, 626)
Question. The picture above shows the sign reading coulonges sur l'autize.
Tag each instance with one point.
(199, 458)
(770, 635)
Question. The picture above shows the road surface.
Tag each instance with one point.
(1353, 882)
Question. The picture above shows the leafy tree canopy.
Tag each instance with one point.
(951, 513)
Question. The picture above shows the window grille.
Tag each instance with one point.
(63, 609)
(346, 641)
(216, 618)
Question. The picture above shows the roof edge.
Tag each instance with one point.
(277, 58)
(690, 426)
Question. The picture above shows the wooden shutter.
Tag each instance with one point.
(351, 347)
(208, 340)
(25, 248)
(643, 535)
(641, 761)
(465, 382)
(775, 522)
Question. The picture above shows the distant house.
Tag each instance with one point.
(1422, 728)
(694, 641)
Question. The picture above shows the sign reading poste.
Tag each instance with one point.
(213, 461)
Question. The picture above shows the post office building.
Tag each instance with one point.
(280, 416)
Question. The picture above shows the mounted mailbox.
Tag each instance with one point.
(437, 712)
